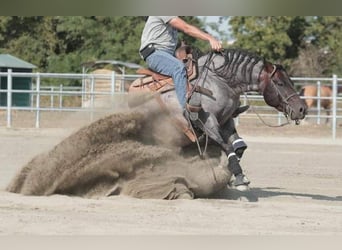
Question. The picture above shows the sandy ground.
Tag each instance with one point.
(296, 189)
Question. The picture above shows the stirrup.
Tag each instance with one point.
(192, 109)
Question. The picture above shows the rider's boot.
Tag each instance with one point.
(193, 104)
(192, 110)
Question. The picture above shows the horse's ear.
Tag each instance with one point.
(279, 66)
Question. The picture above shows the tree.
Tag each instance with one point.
(275, 38)
(30, 38)
(84, 39)
(325, 34)
(311, 62)
(63, 43)
(306, 45)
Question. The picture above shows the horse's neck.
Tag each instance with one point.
(239, 70)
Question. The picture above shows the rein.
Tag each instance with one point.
(262, 120)
(205, 66)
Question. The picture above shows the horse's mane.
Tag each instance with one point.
(196, 53)
(240, 64)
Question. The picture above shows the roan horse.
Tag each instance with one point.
(225, 76)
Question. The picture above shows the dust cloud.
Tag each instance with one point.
(124, 153)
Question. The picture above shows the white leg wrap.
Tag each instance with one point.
(237, 141)
(230, 155)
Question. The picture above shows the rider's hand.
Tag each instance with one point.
(215, 44)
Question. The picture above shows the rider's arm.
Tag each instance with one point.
(193, 31)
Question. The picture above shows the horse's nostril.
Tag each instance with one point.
(302, 110)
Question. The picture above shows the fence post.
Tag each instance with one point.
(318, 101)
(334, 106)
(92, 96)
(9, 98)
(38, 101)
(52, 89)
(32, 97)
(122, 86)
(113, 82)
(60, 97)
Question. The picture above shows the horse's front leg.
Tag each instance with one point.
(229, 134)
(209, 124)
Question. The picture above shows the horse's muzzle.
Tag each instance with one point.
(297, 113)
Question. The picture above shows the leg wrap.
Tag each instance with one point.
(239, 147)
(234, 165)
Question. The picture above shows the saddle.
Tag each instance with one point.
(155, 82)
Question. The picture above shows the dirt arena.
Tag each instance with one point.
(296, 189)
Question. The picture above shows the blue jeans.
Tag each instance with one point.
(166, 64)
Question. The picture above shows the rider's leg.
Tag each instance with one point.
(166, 64)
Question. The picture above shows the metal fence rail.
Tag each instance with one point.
(86, 92)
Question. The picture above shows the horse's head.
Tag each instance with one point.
(278, 91)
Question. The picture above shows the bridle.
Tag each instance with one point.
(284, 100)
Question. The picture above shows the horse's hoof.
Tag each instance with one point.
(185, 196)
(241, 183)
(242, 188)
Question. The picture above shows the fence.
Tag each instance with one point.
(87, 95)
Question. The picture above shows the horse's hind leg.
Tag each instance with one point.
(212, 129)
(328, 115)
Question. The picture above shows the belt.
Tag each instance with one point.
(147, 51)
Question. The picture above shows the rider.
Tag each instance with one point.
(158, 44)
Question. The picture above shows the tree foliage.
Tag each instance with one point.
(63, 43)
(307, 45)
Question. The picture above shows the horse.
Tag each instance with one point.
(312, 91)
(223, 76)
